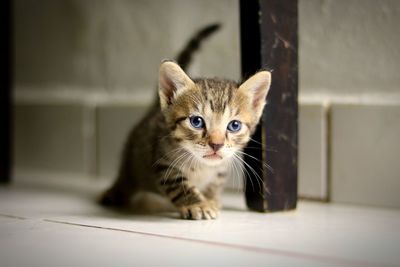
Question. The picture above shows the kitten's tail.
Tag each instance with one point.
(185, 56)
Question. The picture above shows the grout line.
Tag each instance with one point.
(362, 98)
(325, 148)
(100, 96)
(271, 251)
(13, 216)
(313, 198)
(328, 154)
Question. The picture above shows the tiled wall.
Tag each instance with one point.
(312, 152)
(113, 124)
(51, 137)
(79, 67)
(347, 153)
(365, 154)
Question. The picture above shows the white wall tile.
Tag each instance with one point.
(49, 137)
(365, 154)
(56, 141)
(312, 179)
(113, 125)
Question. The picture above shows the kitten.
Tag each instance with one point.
(187, 142)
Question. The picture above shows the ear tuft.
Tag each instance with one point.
(172, 81)
(257, 87)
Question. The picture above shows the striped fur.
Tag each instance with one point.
(167, 155)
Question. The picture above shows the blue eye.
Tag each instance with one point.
(197, 122)
(234, 126)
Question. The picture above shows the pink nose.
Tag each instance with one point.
(215, 147)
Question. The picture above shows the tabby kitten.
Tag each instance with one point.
(184, 147)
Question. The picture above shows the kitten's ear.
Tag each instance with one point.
(172, 82)
(257, 87)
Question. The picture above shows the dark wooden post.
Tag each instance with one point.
(269, 41)
(5, 92)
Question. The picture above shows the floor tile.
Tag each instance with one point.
(42, 243)
(317, 233)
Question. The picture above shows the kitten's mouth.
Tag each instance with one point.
(212, 156)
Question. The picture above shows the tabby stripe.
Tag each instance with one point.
(172, 188)
(221, 175)
(161, 167)
(180, 119)
(205, 91)
(187, 197)
(238, 111)
(177, 180)
(212, 106)
(229, 89)
(203, 134)
(177, 139)
(192, 199)
(178, 196)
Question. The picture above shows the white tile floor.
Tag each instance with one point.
(62, 226)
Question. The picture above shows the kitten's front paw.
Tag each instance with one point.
(206, 211)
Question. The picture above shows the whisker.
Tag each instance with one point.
(173, 164)
(261, 148)
(174, 151)
(258, 178)
(245, 170)
(231, 167)
(263, 163)
(239, 175)
(255, 141)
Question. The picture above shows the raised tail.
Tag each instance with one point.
(185, 56)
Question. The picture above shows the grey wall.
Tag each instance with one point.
(116, 46)
(350, 100)
(349, 46)
(85, 70)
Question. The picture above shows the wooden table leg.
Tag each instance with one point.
(5, 93)
(269, 41)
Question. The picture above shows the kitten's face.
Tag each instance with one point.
(210, 118)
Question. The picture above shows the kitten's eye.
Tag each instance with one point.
(234, 126)
(197, 122)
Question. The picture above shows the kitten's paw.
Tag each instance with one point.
(205, 211)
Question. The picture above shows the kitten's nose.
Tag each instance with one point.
(215, 147)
